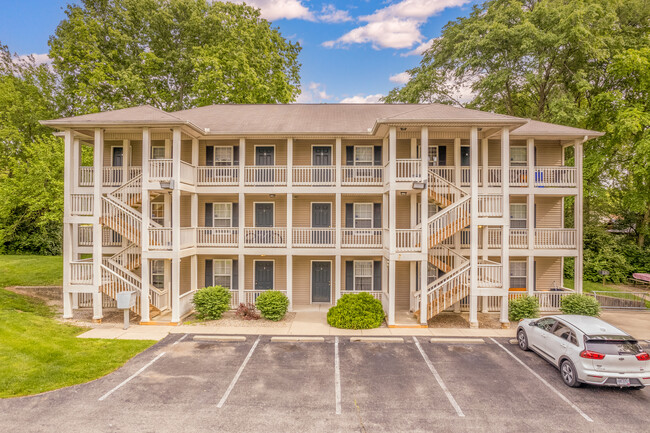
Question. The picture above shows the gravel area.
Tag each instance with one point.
(229, 319)
(456, 320)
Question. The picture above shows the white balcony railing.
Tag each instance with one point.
(250, 296)
(465, 176)
(160, 169)
(555, 238)
(314, 237)
(112, 176)
(408, 240)
(81, 272)
(265, 236)
(185, 303)
(494, 176)
(555, 177)
(217, 236)
(490, 274)
(518, 176)
(374, 293)
(409, 169)
(361, 238)
(362, 175)
(82, 204)
(85, 237)
(490, 205)
(266, 175)
(86, 176)
(447, 173)
(518, 238)
(160, 238)
(188, 237)
(188, 173)
(217, 175)
(313, 175)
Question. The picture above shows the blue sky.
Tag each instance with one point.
(352, 51)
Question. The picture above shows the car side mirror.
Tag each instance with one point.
(532, 323)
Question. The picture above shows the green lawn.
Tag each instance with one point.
(615, 292)
(38, 353)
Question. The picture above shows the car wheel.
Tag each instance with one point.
(522, 340)
(568, 373)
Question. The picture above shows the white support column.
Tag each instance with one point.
(484, 304)
(484, 162)
(176, 223)
(289, 162)
(195, 152)
(505, 238)
(530, 145)
(457, 161)
(338, 210)
(473, 226)
(194, 211)
(392, 197)
(412, 285)
(530, 274)
(530, 209)
(391, 292)
(530, 154)
(68, 182)
(144, 233)
(339, 162)
(242, 164)
(424, 217)
(126, 160)
(145, 272)
(289, 224)
(241, 275)
(337, 277)
(579, 221)
(98, 160)
(337, 219)
(242, 220)
(392, 151)
(75, 162)
(289, 259)
(194, 272)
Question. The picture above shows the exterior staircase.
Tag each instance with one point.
(119, 213)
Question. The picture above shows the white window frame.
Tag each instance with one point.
(214, 214)
(354, 275)
(364, 163)
(214, 156)
(437, 160)
(516, 267)
(518, 163)
(162, 206)
(228, 268)
(153, 148)
(519, 207)
(152, 273)
(354, 214)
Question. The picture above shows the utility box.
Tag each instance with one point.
(125, 301)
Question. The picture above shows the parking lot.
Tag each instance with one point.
(186, 384)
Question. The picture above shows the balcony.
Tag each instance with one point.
(82, 204)
(81, 272)
(268, 175)
(408, 240)
(160, 238)
(109, 237)
(555, 238)
(490, 274)
(361, 238)
(310, 175)
(362, 175)
(217, 236)
(490, 205)
(265, 236)
(309, 237)
(160, 169)
(408, 170)
(111, 176)
(217, 175)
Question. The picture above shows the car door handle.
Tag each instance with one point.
(563, 345)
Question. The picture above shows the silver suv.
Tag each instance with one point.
(586, 350)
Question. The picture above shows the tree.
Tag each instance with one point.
(172, 54)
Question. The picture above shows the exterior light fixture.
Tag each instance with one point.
(272, 195)
(402, 193)
(168, 184)
(419, 185)
(402, 129)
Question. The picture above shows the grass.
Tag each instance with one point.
(614, 292)
(37, 352)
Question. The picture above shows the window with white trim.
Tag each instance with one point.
(222, 214)
(363, 215)
(158, 213)
(222, 272)
(222, 156)
(518, 215)
(158, 152)
(363, 274)
(363, 155)
(158, 274)
(433, 156)
(518, 156)
(518, 275)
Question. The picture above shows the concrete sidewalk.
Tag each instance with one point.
(314, 323)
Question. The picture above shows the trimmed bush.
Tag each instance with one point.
(211, 302)
(580, 304)
(272, 304)
(356, 311)
(524, 307)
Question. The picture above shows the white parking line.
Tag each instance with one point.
(179, 340)
(239, 372)
(337, 375)
(439, 379)
(103, 397)
(577, 409)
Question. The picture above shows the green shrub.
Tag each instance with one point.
(580, 304)
(524, 307)
(356, 311)
(211, 302)
(272, 304)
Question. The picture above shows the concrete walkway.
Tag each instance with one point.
(314, 323)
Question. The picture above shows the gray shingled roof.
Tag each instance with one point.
(141, 114)
(537, 128)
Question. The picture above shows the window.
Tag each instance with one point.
(517, 275)
(546, 324)
(562, 331)
(222, 273)
(158, 213)
(158, 274)
(518, 215)
(363, 155)
(518, 156)
(363, 215)
(222, 155)
(222, 214)
(158, 152)
(433, 156)
(363, 275)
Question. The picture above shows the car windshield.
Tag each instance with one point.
(608, 346)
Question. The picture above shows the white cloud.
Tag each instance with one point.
(279, 9)
(39, 59)
(401, 78)
(360, 99)
(420, 49)
(395, 26)
(315, 92)
(330, 14)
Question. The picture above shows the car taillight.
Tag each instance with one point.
(643, 356)
(591, 355)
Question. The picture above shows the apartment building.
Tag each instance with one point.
(426, 207)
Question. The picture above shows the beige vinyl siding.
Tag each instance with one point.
(136, 153)
(279, 271)
(549, 153)
(186, 210)
(302, 209)
(185, 275)
(494, 153)
(548, 270)
(108, 153)
(302, 152)
(403, 209)
(204, 143)
(403, 148)
(186, 151)
(302, 278)
(549, 212)
(201, 266)
(280, 150)
(349, 198)
(280, 215)
(402, 285)
(213, 198)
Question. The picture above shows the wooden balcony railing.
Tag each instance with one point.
(217, 236)
(217, 175)
(160, 169)
(409, 170)
(85, 237)
(555, 238)
(311, 175)
(490, 205)
(361, 238)
(81, 272)
(518, 238)
(265, 236)
(362, 175)
(268, 175)
(188, 237)
(82, 204)
(188, 173)
(408, 240)
(160, 238)
(490, 274)
(563, 177)
(314, 237)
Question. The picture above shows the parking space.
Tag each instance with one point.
(335, 385)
